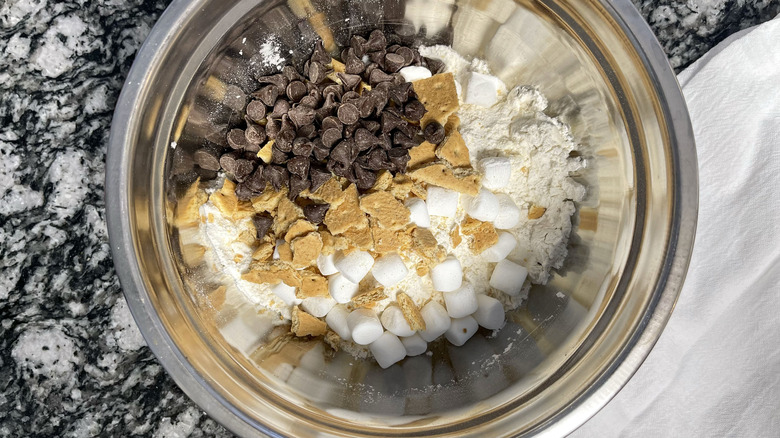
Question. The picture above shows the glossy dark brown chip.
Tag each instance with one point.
(320, 151)
(284, 140)
(242, 169)
(434, 132)
(301, 115)
(376, 41)
(348, 114)
(268, 94)
(291, 73)
(414, 110)
(350, 96)
(255, 134)
(256, 110)
(318, 176)
(272, 128)
(236, 139)
(331, 136)
(378, 58)
(371, 125)
(365, 106)
(334, 89)
(307, 131)
(317, 72)
(320, 54)
(298, 166)
(365, 139)
(393, 62)
(400, 159)
(315, 213)
(390, 121)
(402, 140)
(296, 90)
(434, 65)
(277, 176)
(350, 81)
(279, 157)
(281, 107)
(358, 45)
(297, 185)
(309, 101)
(262, 223)
(352, 64)
(407, 54)
(256, 182)
(364, 178)
(377, 160)
(228, 162)
(331, 122)
(277, 79)
(349, 130)
(302, 146)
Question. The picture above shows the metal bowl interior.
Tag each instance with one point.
(559, 358)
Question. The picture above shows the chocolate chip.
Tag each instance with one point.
(243, 192)
(400, 158)
(434, 65)
(390, 121)
(307, 131)
(339, 168)
(331, 136)
(402, 140)
(228, 162)
(262, 223)
(302, 146)
(334, 89)
(365, 106)
(434, 132)
(392, 48)
(320, 151)
(297, 185)
(317, 72)
(272, 128)
(379, 98)
(407, 54)
(397, 79)
(296, 90)
(378, 76)
(377, 160)
(349, 130)
(284, 140)
(371, 125)
(365, 139)
(309, 101)
(369, 68)
(255, 134)
(342, 153)
(301, 115)
(350, 96)
(331, 122)
(315, 213)
(277, 176)
(348, 114)
(299, 166)
(268, 94)
(399, 94)
(281, 107)
(376, 41)
(414, 110)
(318, 177)
(243, 168)
(352, 64)
(330, 103)
(256, 182)
(236, 139)
(358, 45)
(256, 110)
(279, 157)
(320, 54)
(393, 62)
(291, 73)
(378, 58)
(350, 81)
(364, 178)
(278, 80)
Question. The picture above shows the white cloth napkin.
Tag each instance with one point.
(715, 371)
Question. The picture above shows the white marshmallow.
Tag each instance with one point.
(414, 73)
(247, 330)
(490, 312)
(484, 90)
(276, 255)
(387, 350)
(325, 264)
(389, 270)
(355, 265)
(337, 321)
(318, 306)
(364, 326)
(437, 321)
(508, 214)
(418, 212)
(484, 206)
(462, 301)
(415, 345)
(461, 330)
(496, 172)
(285, 293)
(441, 201)
(393, 320)
(506, 243)
(447, 275)
(508, 277)
(341, 289)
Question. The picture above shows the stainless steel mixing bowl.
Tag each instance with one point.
(558, 360)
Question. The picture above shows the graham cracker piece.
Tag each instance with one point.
(306, 249)
(286, 214)
(440, 175)
(312, 285)
(266, 151)
(383, 206)
(248, 237)
(369, 298)
(535, 212)
(425, 245)
(483, 234)
(338, 66)
(401, 186)
(304, 324)
(455, 236)
(385, 239)
(383, 180)
(273, 273)
(421, 154)
(187, 212)
(298, 229)
(332, 339)
(420, 190)
(225, 199)
(439, 95)
(269, 199)
(453, 150)
(192, 254)
(330, 193)
(263, 252)
(360, 238)
(346, 215)
(422, 270)
(453, 123)
(285, 252)
(411, 312)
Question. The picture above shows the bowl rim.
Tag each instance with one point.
(585, 405)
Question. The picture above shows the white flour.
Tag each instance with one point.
(271, 54)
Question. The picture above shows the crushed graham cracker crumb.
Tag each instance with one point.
(330, 192)
(359, 238)
(286, 214)
(454, 150)
(285, 252)
(455, 236)
(369, 297)
(453, 123)
(535, 212)
(312, 285)
(346, 215)
(411, 312)
(273, 273)
(388, 211)
(460, 180)
(385, 239)
(401, 186)
(304, 324)
(483, 234)
(383, 180)
(421, 154)
(263, 252)
(187, 211)
(439, 95)
(306, 249)
(298, 229)
(269, 199)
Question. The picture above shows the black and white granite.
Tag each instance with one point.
(72, 362)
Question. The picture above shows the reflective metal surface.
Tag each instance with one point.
(558, 360)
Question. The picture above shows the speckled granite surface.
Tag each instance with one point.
(72, 362)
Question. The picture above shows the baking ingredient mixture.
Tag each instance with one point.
(384, 199)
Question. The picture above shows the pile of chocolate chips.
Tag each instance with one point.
(322, 127)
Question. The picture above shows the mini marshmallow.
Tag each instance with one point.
(496, 172)
(418, 212)
(462, 301)
(490, 312)
(387, 350)
(506, 243)
(276, 255)
(447, 275)
(318, 306)
(461, 330)
(285, 293)
(393, 320)
(341, 289)
(437, 321)
(508, 214)
(441, 201)
(508, 277)
(325, 264)
(247, 330)
(364, 326)
(484, 206)
(355, 265)
(337, 321)
(414, 73)
(389, 270)
(483, 90)
(415, 345)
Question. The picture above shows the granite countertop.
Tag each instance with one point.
(72, 362)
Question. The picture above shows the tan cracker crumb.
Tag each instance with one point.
(304, 324)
